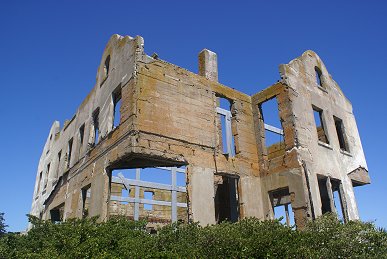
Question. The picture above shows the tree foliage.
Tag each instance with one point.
(2, 224)
(249, 238)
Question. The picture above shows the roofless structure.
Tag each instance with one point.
(153, 140)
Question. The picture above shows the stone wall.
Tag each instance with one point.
(169, 117)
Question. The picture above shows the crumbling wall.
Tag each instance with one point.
(122, 52)
(320, 158)
(177, 117)
(285, 170)
(170, 117)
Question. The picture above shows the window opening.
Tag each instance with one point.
(226, 137)
(325, 195)
(318, 76)
(148, 195)
(117, 107)
(124, 193)
(181, 178)
(332, 199)
(157, 188)
(86, 194)
(58, 167)
(81, 135)
(274, 134)
(320, 127)
(338, 206)
(96, 126)
(70, 146)
(157, 175)
(57, 214)
(39, 183)
(226, 198)
(107, 65)
(340, 134)
(49, 145)
(282, 208)
(46, 178)
(224, 103)
(339, 200)
(285, 213)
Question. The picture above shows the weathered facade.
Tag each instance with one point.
(153, 140)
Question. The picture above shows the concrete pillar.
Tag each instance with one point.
(208, 65)
(202, 195)
(287, 215)
(330, 195)
(343, 202)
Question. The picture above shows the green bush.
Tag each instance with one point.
(3, 226)
(249, 238)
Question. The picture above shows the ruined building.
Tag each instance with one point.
(153, 140)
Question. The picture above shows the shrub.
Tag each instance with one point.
(249, 238)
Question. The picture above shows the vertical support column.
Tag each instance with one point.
(260, 138)
(343, 202)
(105, 206)
(174, 195)
(287, 215)
(137, 196)
(202, 195)
(208, 65)
(330, 195)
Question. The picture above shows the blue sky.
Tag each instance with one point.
(50, 52)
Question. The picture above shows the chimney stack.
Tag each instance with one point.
(208, 65)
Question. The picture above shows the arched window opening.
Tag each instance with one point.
(107, 65)
(95, 127)
(117, 106)
(318, 76)
(225, 132)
